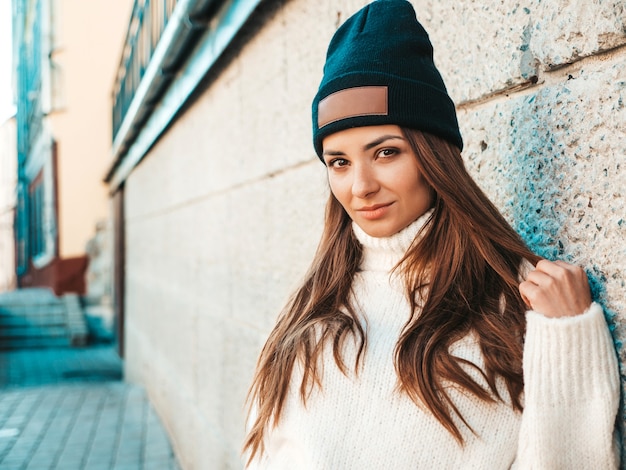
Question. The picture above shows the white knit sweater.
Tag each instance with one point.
(361, 422)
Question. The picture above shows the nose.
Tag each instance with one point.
(364, 181)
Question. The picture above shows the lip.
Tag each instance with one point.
(375, 211)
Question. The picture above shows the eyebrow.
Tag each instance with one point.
(369, 146)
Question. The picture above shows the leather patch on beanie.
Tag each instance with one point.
(353, 102)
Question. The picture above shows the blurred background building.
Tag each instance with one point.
(67, 53)
(8, 184)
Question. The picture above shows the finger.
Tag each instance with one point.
(572, 268)
(539, 278)
(570, 274)
(561, 272)
(575, 273)
(564, 264)
(525, 300)
(552, 268)
(529, 291)
(558, 267)
(528, 268)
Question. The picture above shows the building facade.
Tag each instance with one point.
(219, 196)
(8, 185)
(65, 61)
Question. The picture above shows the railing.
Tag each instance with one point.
(161, 36)
(148, 21)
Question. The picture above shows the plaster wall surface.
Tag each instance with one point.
(87, 44)
(224, 213)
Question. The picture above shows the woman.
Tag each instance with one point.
(408, 344)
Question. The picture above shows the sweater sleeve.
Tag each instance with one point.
(571, 393)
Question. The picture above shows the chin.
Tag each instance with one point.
(379, 232)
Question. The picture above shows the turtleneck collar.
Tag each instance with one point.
(382, 254)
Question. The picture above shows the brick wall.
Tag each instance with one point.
(224, 214)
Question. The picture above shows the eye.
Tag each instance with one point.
(337, 163)
(387, 152)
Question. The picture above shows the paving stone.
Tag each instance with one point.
(51, 419)
(99, 466)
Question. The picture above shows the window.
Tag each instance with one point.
(36, 235)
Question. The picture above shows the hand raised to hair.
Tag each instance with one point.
(556, 289)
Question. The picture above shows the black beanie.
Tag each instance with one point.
(379, 70)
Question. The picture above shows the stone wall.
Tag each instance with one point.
(224, 214)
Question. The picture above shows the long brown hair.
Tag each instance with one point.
(464, 268)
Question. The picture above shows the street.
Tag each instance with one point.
(67, 408)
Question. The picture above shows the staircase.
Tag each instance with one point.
(36, 318)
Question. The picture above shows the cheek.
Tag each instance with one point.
(420, 193)
(424, 195)
(338, 189)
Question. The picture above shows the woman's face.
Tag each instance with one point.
(373, 173)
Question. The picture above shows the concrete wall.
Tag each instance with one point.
(224, 214)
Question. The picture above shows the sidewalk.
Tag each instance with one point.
(67, 409)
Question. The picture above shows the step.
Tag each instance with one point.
(34, 342)
(32, 331)
(37, 318)
(32, 320)
(30, 296)
(29, 309)
(27, 337)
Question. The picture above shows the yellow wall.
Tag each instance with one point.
(87, 44)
